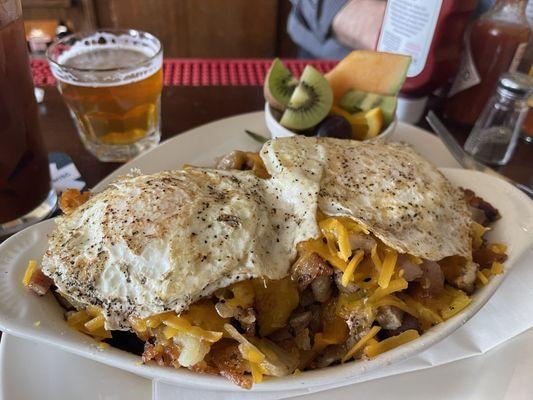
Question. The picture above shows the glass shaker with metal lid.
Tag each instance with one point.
(494, 137)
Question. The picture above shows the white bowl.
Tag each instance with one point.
(277, 130)
(41, 318)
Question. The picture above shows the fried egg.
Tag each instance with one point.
(153, 243)
(388, 188)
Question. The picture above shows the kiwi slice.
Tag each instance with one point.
(310, 102)
(279, 85)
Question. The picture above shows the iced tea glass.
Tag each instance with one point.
(26, 194)
(111, 81)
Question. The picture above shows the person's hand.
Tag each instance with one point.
(358, 23)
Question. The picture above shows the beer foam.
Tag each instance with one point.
(106, 75)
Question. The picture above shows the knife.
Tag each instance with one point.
(256, 136)
(465, 159)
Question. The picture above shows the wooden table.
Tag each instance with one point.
(185, 107)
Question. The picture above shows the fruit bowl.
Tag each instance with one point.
(277, 130)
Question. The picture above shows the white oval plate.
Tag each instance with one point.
(41, 319)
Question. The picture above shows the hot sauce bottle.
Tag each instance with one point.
(495, 43)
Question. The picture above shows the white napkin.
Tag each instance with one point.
(507, 314)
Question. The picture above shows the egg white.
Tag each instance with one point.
(388, 188)
(152, 243)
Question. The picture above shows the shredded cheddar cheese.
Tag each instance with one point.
(322, 341)
(257, 372)
(497, 268)
(375, 257)
(138, 324)
(30, 269)
(387, 269)
(396, 302)
(78, 318)
(155, 320)
(169, 332)
(375, 349)
(95, 323)
(359, 345)
(352, 226)
(395, 285)
(482, 278)
(334, 226)
(253, 354)
(318, 246)
(424, 312)
(478, 231)
(459, 300)
(85, 323)
(249, 352)
(331, 242)
(182, 325)
(93, 311)
(498, 248)
(347, 276)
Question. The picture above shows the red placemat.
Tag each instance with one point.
(204, 72)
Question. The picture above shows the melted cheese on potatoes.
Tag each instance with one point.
(388, 188)
(152, 243)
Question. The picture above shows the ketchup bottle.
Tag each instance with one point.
(495, 43)
(431, 32)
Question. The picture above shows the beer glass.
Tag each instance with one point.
(111, 81)
(26, 195)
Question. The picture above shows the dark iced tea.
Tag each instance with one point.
(24, 174)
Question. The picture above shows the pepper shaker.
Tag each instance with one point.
(494, 137)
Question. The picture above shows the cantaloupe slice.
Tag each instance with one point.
(369, 71)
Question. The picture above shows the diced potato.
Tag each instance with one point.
(72, 199)
(95, 323)
(193, 349)
(243, 294)
(275, 301)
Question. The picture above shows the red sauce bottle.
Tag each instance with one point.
(495, 43)
(431, 32)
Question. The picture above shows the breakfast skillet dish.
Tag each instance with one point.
(314, 252)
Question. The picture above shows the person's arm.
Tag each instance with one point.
(358, 23)
(309, 26)
(332, 28)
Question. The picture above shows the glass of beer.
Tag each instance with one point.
(26, 194)
(111, 81)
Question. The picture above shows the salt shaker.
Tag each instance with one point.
(494, 137)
